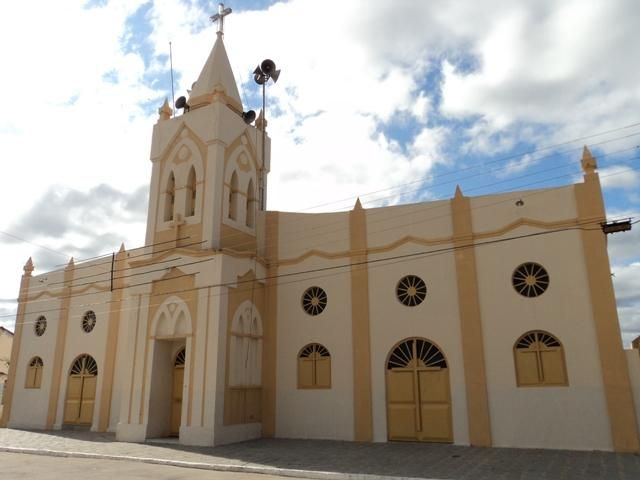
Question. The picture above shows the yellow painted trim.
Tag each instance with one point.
(135, 352)
(62, 292)
(112, 344)
(15, 350)
(144, 373)
(471, 322)
(431, 242)
(270, 327)
(56, 371)
(615, 373)
(192, 367)
(360, 329)
(205, 361)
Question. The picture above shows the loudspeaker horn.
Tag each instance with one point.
(268, 67)
(249, 117)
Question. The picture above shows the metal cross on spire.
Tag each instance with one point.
(219, 17)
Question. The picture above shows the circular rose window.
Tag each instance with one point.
(530, 279)
(40, 326)
(411, 290)
(89, 321)
(314, 300)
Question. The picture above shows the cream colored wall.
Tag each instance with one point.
(121, 365)
(301, 232)
(315, 413)
(493, 212)
(6, 340)
(633, 360)
(30, 405)
(78, 342)
(424, 220)
(436, 319)
(541, 417)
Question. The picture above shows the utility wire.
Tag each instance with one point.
(529, 194)
(384, 261)
(424, 179)
(376, 212)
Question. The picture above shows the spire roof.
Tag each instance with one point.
(588, 161)
(216, 77)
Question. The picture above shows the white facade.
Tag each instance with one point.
(210, 332)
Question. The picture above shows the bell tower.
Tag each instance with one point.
(207, 164)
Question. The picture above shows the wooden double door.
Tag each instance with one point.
(81, 391)
(418, 393)
(176, 394)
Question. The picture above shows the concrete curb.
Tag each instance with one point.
(221, 467)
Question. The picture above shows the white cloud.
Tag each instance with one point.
(619, 176)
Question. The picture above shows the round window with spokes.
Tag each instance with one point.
(411, 290)
(40, 326)
(530, 279)
(89, 321)
(314, 300)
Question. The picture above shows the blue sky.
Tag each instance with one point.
(415, 97)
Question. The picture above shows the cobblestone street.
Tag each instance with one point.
(331, 459)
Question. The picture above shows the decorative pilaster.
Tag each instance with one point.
(61, 336)
(17, 342)
(615, 373)
(115, 312)
(362, 402)
(470, 322)
(270, 331)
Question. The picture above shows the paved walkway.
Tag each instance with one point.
(338, 460)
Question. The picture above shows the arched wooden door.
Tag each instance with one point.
(176, 395)
(418, 393)
(81, 391)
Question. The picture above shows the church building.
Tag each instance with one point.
(485, 321)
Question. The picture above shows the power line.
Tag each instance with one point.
(377, 261)
(522, 195)
(509, 157)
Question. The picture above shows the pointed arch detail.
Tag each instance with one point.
(169, 197)
(192, 191)
(172, 320)
(245, 356)
(252, 205)
(234, 194)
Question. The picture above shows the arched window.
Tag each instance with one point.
(34, 373)
(246, 349)
(190, 209)
(539, 359)
(170, 198)
(314, 367)
(252, 205)
(233, 197)
(244, 391)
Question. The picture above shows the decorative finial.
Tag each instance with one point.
(358, 205)
(70, 265)
(219, 17)
(165, 110)
(261, 122)
(458, 192)
(28, 268)
(121, 248)
(588, 161)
